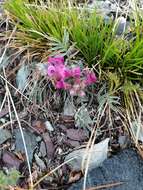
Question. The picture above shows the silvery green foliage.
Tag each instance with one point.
(69, 108)
(104, 98)
(42, 67)
(22, 77)
(4, 62)
(61, 46)
(40, 162)
(137, 130)
(98, 153)
(82, 117)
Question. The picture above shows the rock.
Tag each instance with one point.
(122, 25)
(105, 7)
(126, 166)
(124, 141)
(30, 140)
(97, 155)
(43, 149)
(71, 143)
(10, 160)
(40, 162)
(77, 134)
(38, 138)
(4, 135)
(48, 126)
(49, 145)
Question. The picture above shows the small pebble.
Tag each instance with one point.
(48, 126)
(38, 139)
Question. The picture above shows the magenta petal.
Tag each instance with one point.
(57, 60)
(67, 73)
(50, 60)
(51, 71)
(76, 72)
(60, 84)
(60, 73)
(90, 78)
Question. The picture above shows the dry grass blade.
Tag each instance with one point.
(3, 102)
(89, 148)
(6, 46)
(106, 186)
(20, 127)
(41, 108)
(52, 171)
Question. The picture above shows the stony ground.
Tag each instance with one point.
(48, 142)
(123, 171)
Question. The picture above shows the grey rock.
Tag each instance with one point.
(30, 140)
(105, 7)
(97, 154)
(124, 141)
(43, 149)
(49, 126)
(122, 25)
(38, 139)
(125, 167)
(40, 162)
(4, 135)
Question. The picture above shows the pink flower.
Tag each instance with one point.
(68, 73)
(60, 84)
(78, 87)
(72, 92)
(81, 93)
(51, 71)
(72, 79)
(75, 92)
(76, 72)
(90, 77)
(57, 72)
(60, 72)
(56, 60)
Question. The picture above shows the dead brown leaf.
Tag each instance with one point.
(74, 176)
(10, 160)
(49, 145)
(77, 134)
(39, 126)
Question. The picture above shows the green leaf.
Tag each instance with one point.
(9, 179)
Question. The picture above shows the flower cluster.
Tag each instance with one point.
(73, 79)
